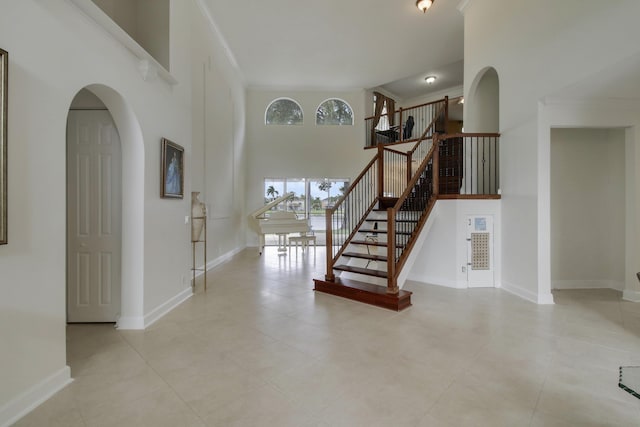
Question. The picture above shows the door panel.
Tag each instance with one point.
(480, 251)
(93, 217)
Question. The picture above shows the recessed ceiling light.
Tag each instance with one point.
(430, 79)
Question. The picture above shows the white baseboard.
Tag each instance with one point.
(221, 259)
(157, 313)
(587, 284)
(527, 294)
(633, 296)
(130, 323)
(437, 281)
(33, 397)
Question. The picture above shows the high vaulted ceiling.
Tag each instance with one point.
(340, 44)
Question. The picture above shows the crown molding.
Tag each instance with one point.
(148, 66)
(464, 5)
(213, 26)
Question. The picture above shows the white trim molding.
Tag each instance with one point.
(34, 396)
(147, 61)
(633, 296)
(588, 284)
(464, 5)
(545, 298)
(130, 323)
(221, 259)
(164, 308)
(434, 281)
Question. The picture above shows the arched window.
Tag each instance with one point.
(334, 112)
(284, 111)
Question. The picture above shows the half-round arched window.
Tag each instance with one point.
(284, 111)
(334, 112)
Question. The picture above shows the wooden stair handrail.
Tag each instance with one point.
(409, 108)
(352, 186)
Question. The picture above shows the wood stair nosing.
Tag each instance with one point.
(385, 220)
(361, 270)
(381, 231)
(364, 256)
(364, 242)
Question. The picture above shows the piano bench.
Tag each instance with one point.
(303, 241)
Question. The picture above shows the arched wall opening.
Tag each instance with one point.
(482, 115)
(132, 206)
(482, 104)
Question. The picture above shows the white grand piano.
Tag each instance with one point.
(280, 223)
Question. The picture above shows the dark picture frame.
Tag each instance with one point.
(172, 170)
(4, 104)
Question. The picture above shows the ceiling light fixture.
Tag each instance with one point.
(430, 79)
(424, 5)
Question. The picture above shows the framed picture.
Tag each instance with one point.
(4, 76)
(172, 182)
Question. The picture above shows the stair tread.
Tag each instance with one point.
(370, 230)
(361, 270)
(365, 256)
(385, 220)
(364, 242)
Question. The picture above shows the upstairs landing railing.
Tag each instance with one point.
(405, 124)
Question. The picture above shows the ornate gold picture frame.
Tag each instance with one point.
(4, 77)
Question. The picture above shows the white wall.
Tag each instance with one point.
(444, 252)
(452, 92)
(219, 148)
(483, 105)
(301, 151)
(53, 54)
(152, 28)
(146, 21)
(537, 48)
(587, 208)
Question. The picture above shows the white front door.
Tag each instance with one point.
(93, 217)
(480, 251)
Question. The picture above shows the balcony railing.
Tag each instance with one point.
(406, 124)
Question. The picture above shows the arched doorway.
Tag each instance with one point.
(126, 209)
(94, 212)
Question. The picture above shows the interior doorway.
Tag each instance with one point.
(587, 208)
(94, 212)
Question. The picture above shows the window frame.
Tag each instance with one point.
(353, 119)
(283, 98)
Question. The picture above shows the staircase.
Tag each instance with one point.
(372, 229)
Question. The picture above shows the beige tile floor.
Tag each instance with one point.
(260, 348)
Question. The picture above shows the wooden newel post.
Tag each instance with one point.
(400, 130)
(392, 284)
(330, 277)
(436, 166)
(446, 115)
(380, 171)
(409, 171)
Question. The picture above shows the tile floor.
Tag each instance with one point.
(260, 348)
